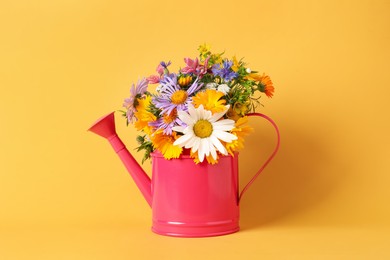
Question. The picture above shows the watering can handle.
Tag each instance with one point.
(271, 156)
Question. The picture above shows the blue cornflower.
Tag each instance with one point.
(225, 72)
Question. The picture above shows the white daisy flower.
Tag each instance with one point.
(204, 131)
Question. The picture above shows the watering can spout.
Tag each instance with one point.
(105, 127)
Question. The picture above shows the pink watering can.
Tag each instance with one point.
(187, 199)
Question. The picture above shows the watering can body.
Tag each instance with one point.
(194, 200)
(187, 199)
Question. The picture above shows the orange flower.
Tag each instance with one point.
(164, 144)
(240, 130)
(210, 99)
(268, 85)
(143, 116)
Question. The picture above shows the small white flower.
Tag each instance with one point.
(248, 70)
(224, 88)
(159, 87)
(212, 85)
(204, 131)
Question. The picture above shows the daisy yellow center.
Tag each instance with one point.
(179, 97)
(203, 128)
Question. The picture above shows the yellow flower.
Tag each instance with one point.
(143, 116)
(240, 130)
(184, 80)
(210, 99)
(164, 144)
(236, 64)
(232, 114)
(204, 49)
(238, 110)
(216, 58)
(253, 76)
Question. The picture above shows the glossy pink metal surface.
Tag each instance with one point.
(187, 199)
(194, 200)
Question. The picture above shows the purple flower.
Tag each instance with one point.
(131, 102)
(164, 64)
(167, 121)
(172, 96)
(225, 72)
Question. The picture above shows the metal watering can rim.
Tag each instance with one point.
(105, 127)
(186, 156)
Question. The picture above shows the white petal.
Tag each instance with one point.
(190, 143)
(178, 129)
(212, 150)
(217, 116)
(182, 140)
(195, 147)
(200, 112)
(206, 146)
(186, 118)
(223, 125)
(224, 136)
(218, 145)
(207, 114)
(201, 157)
(225, 122)
(189, 130)
(193, 113)
(201, 151)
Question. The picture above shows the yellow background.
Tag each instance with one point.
(65, 195)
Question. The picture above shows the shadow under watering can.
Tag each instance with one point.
(187, 199)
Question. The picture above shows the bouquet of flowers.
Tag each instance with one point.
(200, 110)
